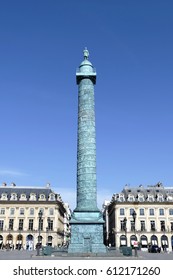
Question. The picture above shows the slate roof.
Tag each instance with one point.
(27, 191)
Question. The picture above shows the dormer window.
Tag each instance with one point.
(140, 198)
(52, 197)
(32, 196)
(131, 198)
(3, 196)
(13, 196)
(150, 198)
(42, 197)
(170, 198)
(23, 196)
(160, 198)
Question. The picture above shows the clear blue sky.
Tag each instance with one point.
(131, 46)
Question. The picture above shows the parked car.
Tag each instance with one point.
(154, 249)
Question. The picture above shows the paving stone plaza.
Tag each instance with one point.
(113, 255)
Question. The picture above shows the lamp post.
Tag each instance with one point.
(40, 214)
(125, 227)
(134, 220)
(48, 228)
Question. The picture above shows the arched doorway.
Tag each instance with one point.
(19, 242)
(29, 242)
(49, 240)
(154, 240)
(9, 241)
(1, 241)
(172, 242)
(123, 240)
(144, 241)
(164, 242)
(133, 238)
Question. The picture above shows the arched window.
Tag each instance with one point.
(154, 240)
(133, 238)
(1, 240)
(144, 241)
(123, 240)
(164, 242)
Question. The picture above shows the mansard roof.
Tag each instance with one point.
(154, 191)
(19, 190)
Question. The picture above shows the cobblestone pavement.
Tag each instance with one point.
(32, 255)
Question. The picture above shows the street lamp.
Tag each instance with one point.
(124, 224)
(48, 228)
(134, 220)
(125, 227)
(40, 214)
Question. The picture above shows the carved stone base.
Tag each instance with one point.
(87, 233)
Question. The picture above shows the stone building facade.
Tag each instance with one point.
(141, 214)
(31, 215)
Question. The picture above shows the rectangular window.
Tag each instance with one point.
(31, 211)
(50, 225)
(20, 224)
(122, 225)
(153, 226)
(40, 224)
(171, 226)
(1, 224)
(11, 224)
(121, 211)
(31, 223)
(12, 211)
(161, 212)
(2, 211)
(141, 212)
(51, 211)
(162, 225)
(171, 211)
(22, 212)
(132, 225)
(142, 225)
(131, 211)
(151, 212)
